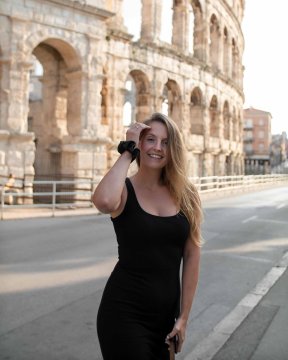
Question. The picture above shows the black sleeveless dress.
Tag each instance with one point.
(141, 299)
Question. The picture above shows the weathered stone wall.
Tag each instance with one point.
(87, 55)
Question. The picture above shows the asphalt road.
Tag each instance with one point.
(53, 271)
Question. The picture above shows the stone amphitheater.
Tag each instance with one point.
(73, 78)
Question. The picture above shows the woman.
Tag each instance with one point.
(156, 216)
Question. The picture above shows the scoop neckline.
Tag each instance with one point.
(146, 212)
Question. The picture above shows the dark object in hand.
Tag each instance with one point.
(129, 146)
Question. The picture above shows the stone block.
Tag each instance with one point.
(5, 7)
(14, 158)
(85, 160)
(29, 157)
(21, 12)
(100, 161)
(18, 172)
(2, 158)
(4, 171)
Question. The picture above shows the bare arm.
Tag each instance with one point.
(190, 274)
(109, 196)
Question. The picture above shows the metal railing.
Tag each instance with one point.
(77, 193)
(221, 183)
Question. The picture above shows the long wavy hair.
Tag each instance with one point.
(174, 176)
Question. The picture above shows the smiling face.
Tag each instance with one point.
(154, 146)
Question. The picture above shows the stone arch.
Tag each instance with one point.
(166, 30)
(235, 61)
(143, 97)
(226, 120)
(61, 43)
(196, 112)
(214, 38)
(234, 125)
(214, 117)
(238, 6)
(199, 30)
(137, 97)
(172, 98)
(129, 106)
(226, 48)
(58, 114)
(240, 127)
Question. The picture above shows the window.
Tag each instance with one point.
(261, 134)
(249, 134)
(248, 123)
(248, 147)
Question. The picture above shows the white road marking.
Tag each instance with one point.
(272, 221)
(280, 206)
(206, 349)
(249, 219)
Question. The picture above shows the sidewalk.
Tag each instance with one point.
(262, 317)
(28, 213)
(22, 212)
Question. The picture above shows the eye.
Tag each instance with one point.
(150, 139)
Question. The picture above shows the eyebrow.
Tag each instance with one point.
(155, 135)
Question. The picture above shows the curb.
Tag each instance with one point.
(207, 348)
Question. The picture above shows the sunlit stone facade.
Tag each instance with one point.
(72, 79)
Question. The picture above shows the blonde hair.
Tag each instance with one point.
(174, 176)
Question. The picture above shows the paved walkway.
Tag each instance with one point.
(258, 326)
(256, 329)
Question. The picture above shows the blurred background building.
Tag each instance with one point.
(257, 141)
(279, 153)
(73, 78)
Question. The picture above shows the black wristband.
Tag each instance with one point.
(129, 146)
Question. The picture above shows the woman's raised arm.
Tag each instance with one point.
(107, 196)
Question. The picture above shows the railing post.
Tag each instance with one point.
(53, 198)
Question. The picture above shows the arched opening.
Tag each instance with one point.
(133, 23)
(228, 165)
(127, 114)
(165, 101)
(166, 21)
(235, 61)
(225, 52)
(129, 106)
(214, 117)
(191, 21)
(234, 125)
(198, 30)
(214, 41)
(196, 112)
(137, 94)
(171, 101)
(142, 93)
(226, 122)
(54, 106)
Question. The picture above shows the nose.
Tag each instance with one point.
(158, 145)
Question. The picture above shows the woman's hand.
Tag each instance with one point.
(134, 131)
(179, 331)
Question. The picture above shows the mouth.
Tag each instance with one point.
(156, 156)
